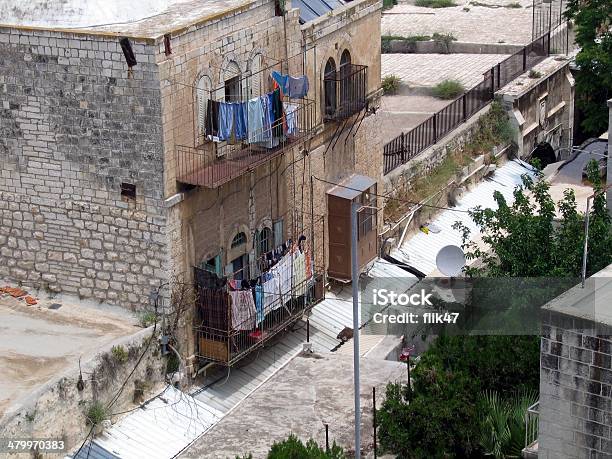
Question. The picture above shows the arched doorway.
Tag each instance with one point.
(329, 77)
(545, 154)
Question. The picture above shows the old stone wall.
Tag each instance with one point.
(75, 126)
(541, 107)
(575, 417)
(44, 414)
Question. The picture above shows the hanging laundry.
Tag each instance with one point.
(243, 310)
(259, 303)
(299, 273)
(211, 124)
(271, 292)
(255, 120)
(282, 80)
(226, 120)
(308, 258)
(298, 87)
(291, 116)
(270, 140)
(240, 124)
(277, 113)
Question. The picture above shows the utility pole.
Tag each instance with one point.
(355, 289)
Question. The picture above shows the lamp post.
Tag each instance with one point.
(356, 207)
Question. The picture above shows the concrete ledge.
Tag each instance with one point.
(455, 47)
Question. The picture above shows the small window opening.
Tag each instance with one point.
(128, 190)
(167, 47)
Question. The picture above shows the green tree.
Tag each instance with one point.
(524, 240)
(293, 448)
(593, 21)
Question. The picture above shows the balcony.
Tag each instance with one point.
(211, 164)
(345, 91)
(224, 339)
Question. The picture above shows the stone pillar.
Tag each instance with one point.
(609, 176)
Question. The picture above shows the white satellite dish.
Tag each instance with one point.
(450, 260)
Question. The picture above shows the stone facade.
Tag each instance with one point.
(77, 124)
(73, 128)
(540, 105)
(575, 409)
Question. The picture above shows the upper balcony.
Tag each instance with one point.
(215, 162)
(345, 91)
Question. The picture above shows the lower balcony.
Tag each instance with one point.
(213, 163)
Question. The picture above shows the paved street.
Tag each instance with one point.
(493, 23)
(431, 69)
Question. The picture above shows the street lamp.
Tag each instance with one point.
(586, 232)
(356, 207)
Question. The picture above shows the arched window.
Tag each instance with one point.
(231, 78)
(346, 85)
(239, 239)
(203, 88)
(329, 78)
(255, 79)
(263, 242)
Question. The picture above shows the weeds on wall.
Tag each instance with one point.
(96, 413)
(444, 41)
(494, 129)
(119, 354)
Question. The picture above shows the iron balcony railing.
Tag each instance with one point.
(345, 91)
(531, 426)
(221, 340)
(211, 164)
(409, 144)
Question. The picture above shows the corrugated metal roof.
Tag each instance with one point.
(162, 430)
(313, 9)
(421, 249)
(352, 187)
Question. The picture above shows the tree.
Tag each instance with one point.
(293, 448)
(525, 240)
(594, 79)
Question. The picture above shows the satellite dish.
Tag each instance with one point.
(450, 260)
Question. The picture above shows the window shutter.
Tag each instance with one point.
(255, 82)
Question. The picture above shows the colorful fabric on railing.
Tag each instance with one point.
(255, 120)
(276, 115)
(299, 273)
(298, 87)
(240, 124)
(226, 120)
(282, 80)
(244, 312)
(270, 140)
(271, 291)
(259, 303)
(291, 117)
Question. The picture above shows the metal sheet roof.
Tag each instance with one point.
(160, 429)
(173, 420)
(352, 187)
(313, 9)
(421, 249)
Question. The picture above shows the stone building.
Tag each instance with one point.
(575, 408)
(540, 105)
(109, 184)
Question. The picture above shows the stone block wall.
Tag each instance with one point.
(575, 418)
(73, 127)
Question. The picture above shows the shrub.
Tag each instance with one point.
(293, 448)
(119, 353)
(96, 413)
(385, 40)
(391, 84)
(513, 5)
(448, 89)
(534, 74)
(444, 40)
(387, 4)
(446, 415)
(494, 129)
(147, 319)
(435, 3)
